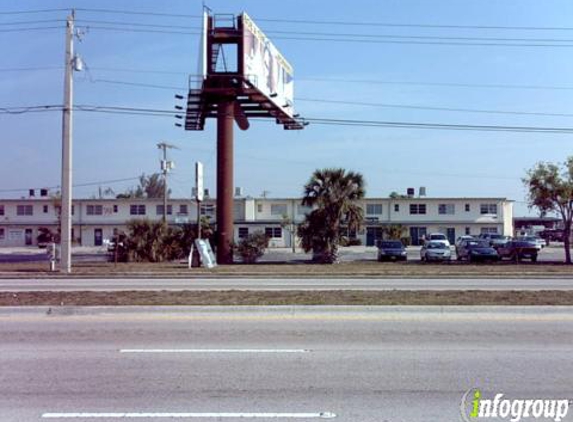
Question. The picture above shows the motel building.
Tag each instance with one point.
(97, 220)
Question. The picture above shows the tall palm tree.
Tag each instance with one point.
(334, 193)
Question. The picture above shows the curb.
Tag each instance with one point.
(472, 312)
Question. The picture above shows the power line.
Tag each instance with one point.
(23, 12)
(23, 69)
(416, 107)
(32, 22)
(133, 12)
(31, 29)
(79, 185)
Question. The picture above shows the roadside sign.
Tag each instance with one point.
(206, 253)
(199, 180)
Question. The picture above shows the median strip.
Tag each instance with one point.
(213, 351)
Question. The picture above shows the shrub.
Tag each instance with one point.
(252, 247)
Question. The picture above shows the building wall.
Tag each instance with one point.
(273, 216)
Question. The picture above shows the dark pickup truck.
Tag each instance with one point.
(518, 250)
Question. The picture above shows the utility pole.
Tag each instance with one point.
(66, 206)
(166, 166)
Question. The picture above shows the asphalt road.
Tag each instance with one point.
(298, 365)
(96, 284)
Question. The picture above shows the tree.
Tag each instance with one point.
(395, 231)
(396, 195)
(550, 189)
(149, 187)
(334, 194)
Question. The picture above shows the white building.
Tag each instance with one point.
(95, 220)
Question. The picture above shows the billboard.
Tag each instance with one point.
(266, 68)
(202, 63)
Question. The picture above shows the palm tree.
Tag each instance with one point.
(334, 194)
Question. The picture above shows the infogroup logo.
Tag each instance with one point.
(474, 406)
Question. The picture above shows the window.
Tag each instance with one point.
(94, 210)
(467, 207)
(303, 209)
(274, 232)
(182, 209)
(396, 207)
(488, 208)
(446, 209)
(1, 209)
(243, 232)
(208, 210)
(115, 208)
(137, 209)
(2, 234)
(24, 210)
(467, 229)
(278, 209)
(259, 207)
(373, 209)
(417, 208)
(45, 209)
(159, 210)
(488, 230)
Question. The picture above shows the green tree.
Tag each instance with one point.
(252, 247)
(145, 241)
(149, 187)
(395, 231)
(334, 195)
(396, 195)
(550, 189)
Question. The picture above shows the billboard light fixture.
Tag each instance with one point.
(274, 95)
(179, 97)
(178, 125)
(178, 116)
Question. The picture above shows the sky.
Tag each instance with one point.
(421, 76)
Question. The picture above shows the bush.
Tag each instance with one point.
(252, 247)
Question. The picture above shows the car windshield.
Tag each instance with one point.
(391, 245)
(496, 236)
(436, 245)
(478, 244)
(522, 244)
(437, 237)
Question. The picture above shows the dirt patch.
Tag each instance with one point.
(233, 297)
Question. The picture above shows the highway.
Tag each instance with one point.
(102, 284)
(295, 364)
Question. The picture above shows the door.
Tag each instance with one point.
(373, 234)
(417, 235)
(451, 235)
(28, 237)
(98, 237)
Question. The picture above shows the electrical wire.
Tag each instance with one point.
(78, 185)
(32, 29)
(23, 12)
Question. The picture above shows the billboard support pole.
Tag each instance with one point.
(225, 229)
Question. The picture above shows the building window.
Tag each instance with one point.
(183, 209)
(303, 209)
(115, 208)
(24, 210)
(488, 230)
(137, 209)
(94, 210)
(2, 234)
(208, 210)
(467, 230)
(396, 207)
(417, 208)
(488, 208)
(259, 207)
(159, 210)
(273, 232)
(467, 207)
(278, 209)
(243, 232)
(373, 209)
(446, 209)
(1, 209)
(45, 209)
(73, 210)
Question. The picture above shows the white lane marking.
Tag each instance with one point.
(320, 415)
(213, 351)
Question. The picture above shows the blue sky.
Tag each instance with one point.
(448, 163)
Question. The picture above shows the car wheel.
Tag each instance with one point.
(534, 258)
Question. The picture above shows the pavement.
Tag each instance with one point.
(297, 364)
(278, 284)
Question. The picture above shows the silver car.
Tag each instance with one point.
(435, 251)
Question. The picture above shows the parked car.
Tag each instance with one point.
(460, 239)
(476, 250)
(539, 242)
(518, 250)
(552, 235)
(391, 250)
(438, 237)
(435, 250)
(497, 240)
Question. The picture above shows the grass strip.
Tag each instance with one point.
(253, 298)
